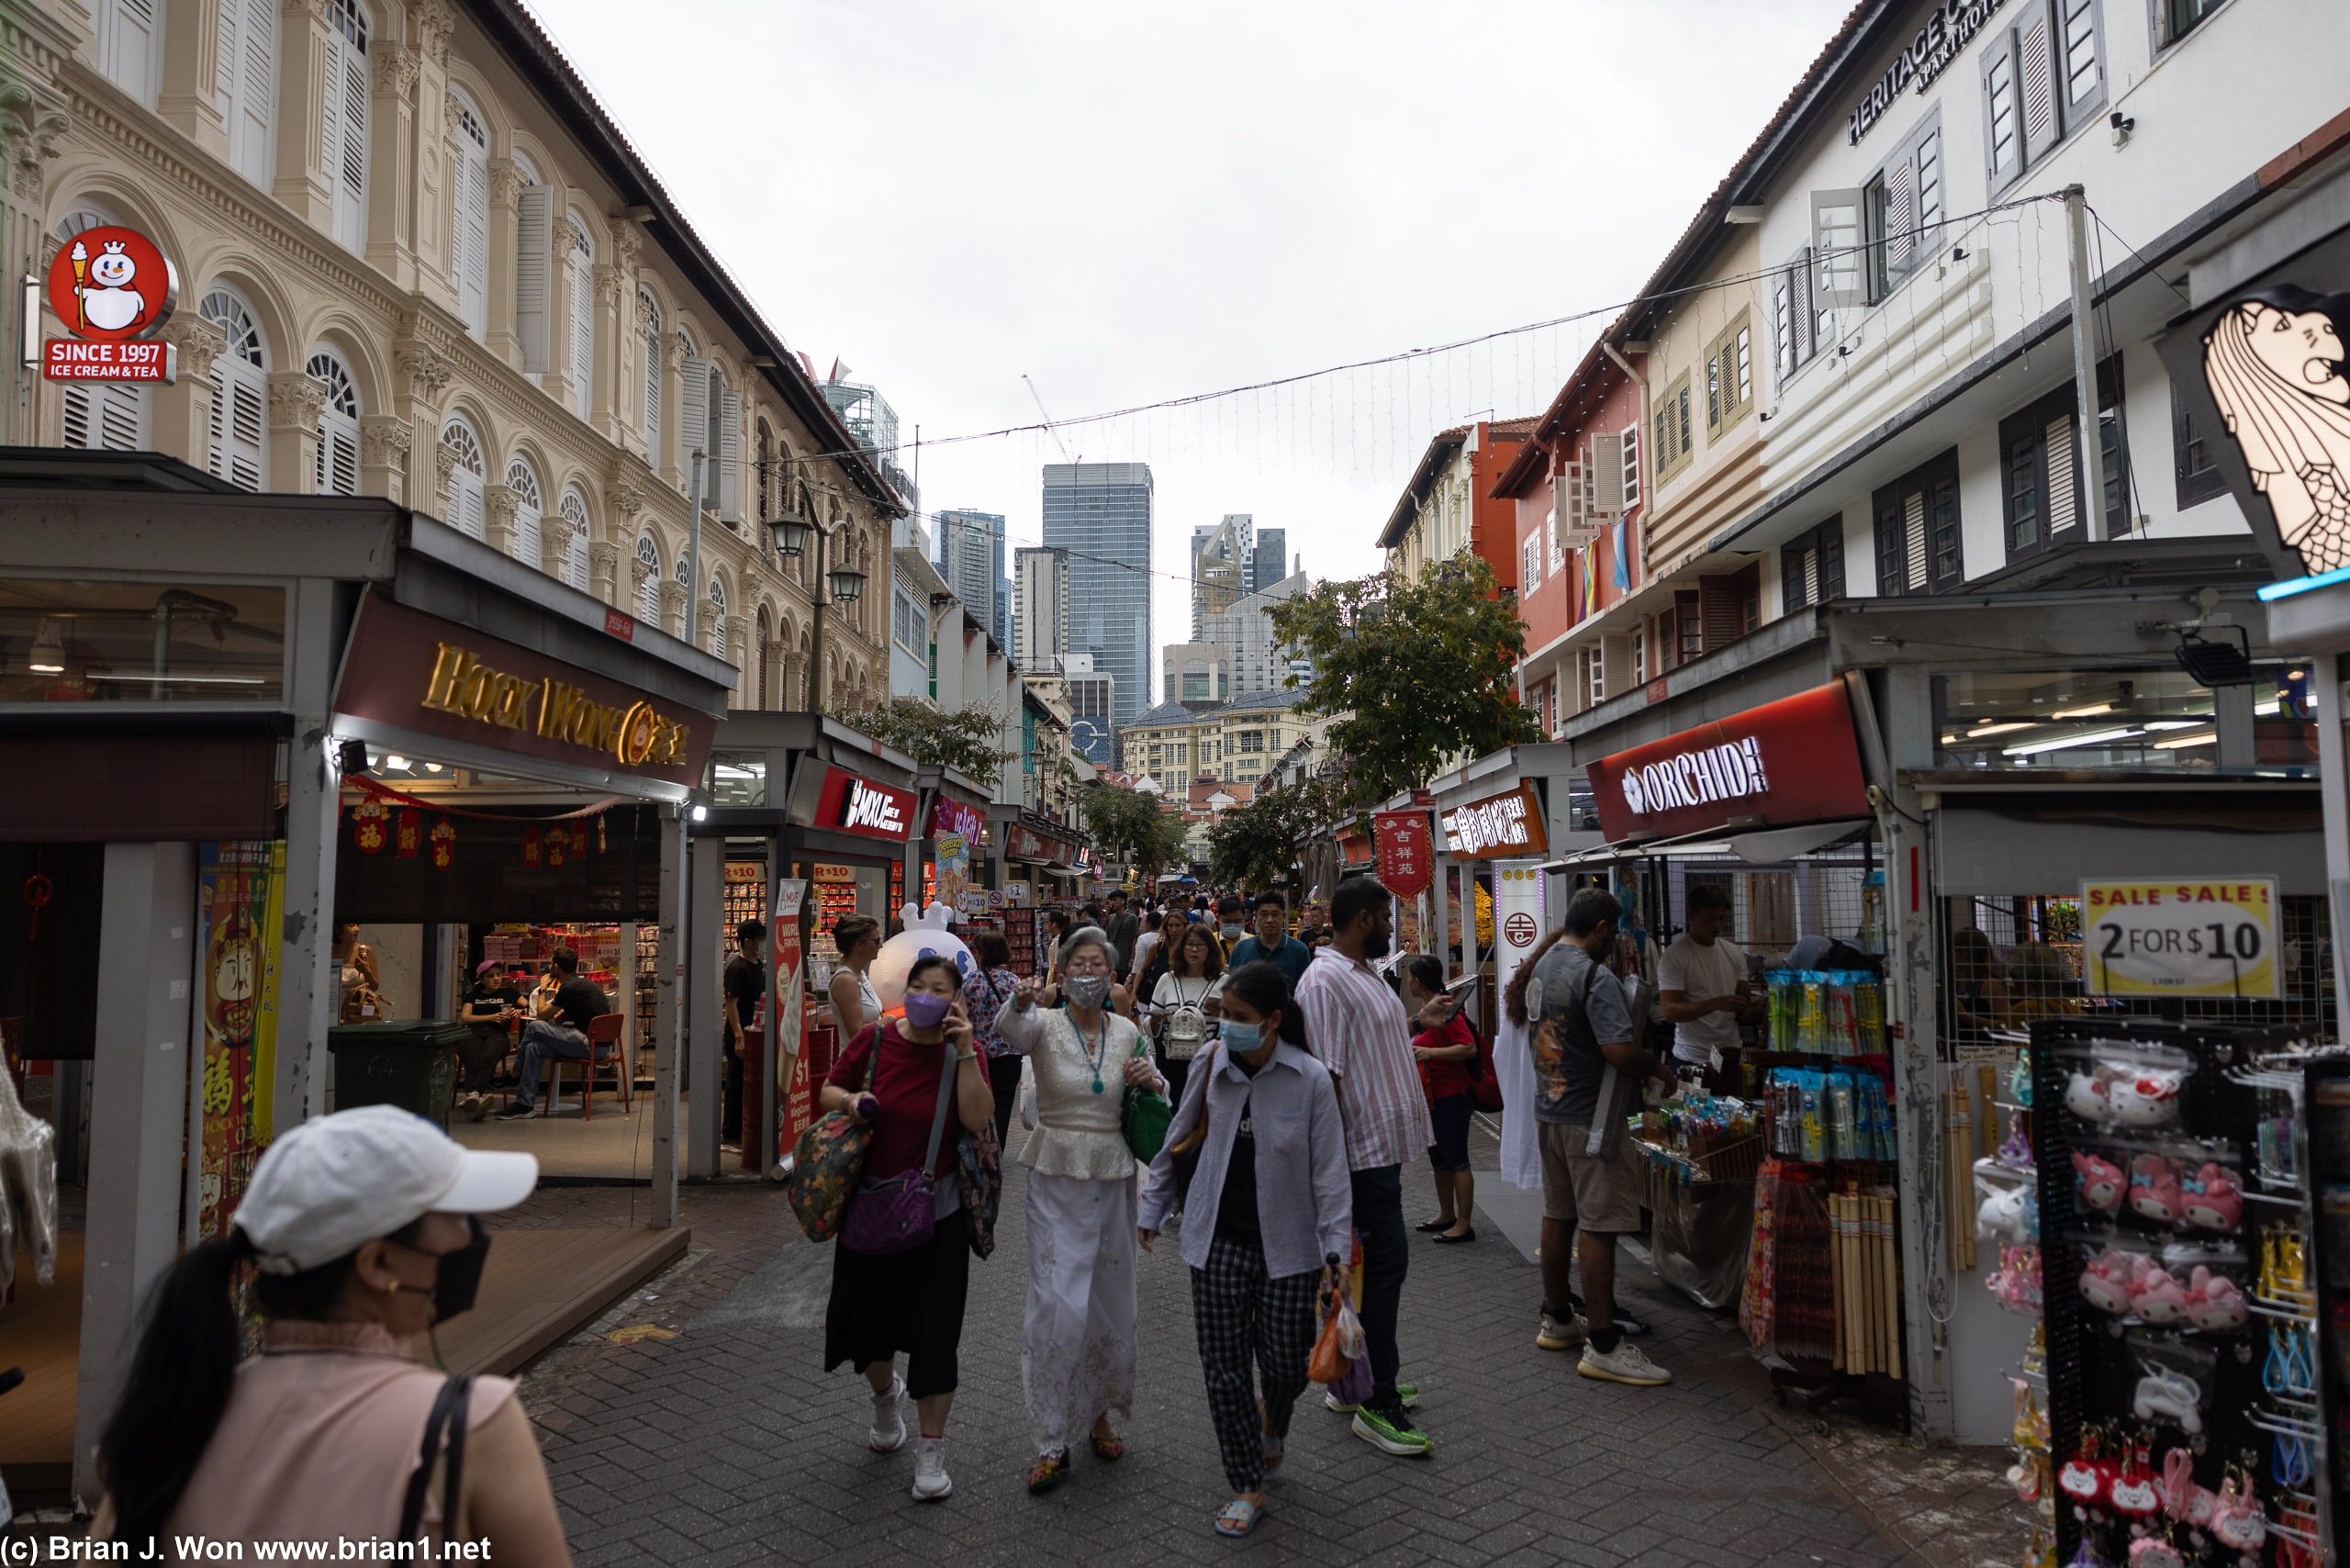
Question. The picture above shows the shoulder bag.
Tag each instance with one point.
(1145, 1117)
(829, 1158)
(448, 1416)
(897, 1213)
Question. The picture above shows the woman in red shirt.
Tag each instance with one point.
(910, 1301)
(1446, 1048)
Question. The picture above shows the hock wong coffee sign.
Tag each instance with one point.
(1796, 761)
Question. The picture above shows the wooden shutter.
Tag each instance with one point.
(256, 89)
(583, 334)
(1630, 438)
(575, 523)
(470, 238)
(693, 425)
(330, 127)
(648, 597)
(533, 275)
(1722, 611)
(649, 342)
(1795, 574)
(1829, 562)
(2002, 115)
(527, 510)
(1925, 160)
(238, 402)
(226, 64)
(2080, 65)
(2036, 81)
(1837, 274)
(106, 416)
(1913, 541)
(2063, 486)
(730, 458)
(350, 85)
(1607, 473)
(1900, 237)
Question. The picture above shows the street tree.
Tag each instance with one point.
(1133, 825)
(1255, 845)
(1415, 672)
(970, 742)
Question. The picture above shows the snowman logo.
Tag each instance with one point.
(113, 304)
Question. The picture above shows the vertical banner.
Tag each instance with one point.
(1518, 916)
(789, 988)
(1406, 852)
(234, 897)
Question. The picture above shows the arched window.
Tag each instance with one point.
(583, 318)
(102, 416)
(523, 480)
(765, 456)
(239, 392)
(648, 597)
(349, 84)
(338, 464)
(246, 83)
(766, 652)
(128, 37)
(469, 225)
(575, 554)
(465, 501)
(650, 310)
(718, 618)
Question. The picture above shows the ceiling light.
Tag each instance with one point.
(47, 655)
(2082, 712)
(432, 768)
(1950, 739)
(1982, 729)
(2174, 723)
(395, 764)
(2271, 706)
(2208, 737)
(2070, 742)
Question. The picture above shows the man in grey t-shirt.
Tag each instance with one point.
(1581, 1028)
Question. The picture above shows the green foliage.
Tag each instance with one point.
(1129, 825)
(1255, 845)
(966, 742)
(1417, 673)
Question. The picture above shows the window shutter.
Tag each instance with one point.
(2002, 123)
(470, 242)
(348, 93)
(1891, 571)
(525, 483)
(330, 123)
(2036, 75)
(648, 597)
(1713, 389)
(533, 242)
(1795, 566)
(1722, 611)
(1926, 161)
(248, 40)
(574, 560)
(1806, 308)
(1742, 352)
(1835, 243)
(730, 457)
(2080, 58)
(2063, 497)
(106, 416)
(1607, 473)
(1913, 541)
(649, 336)
(1830, 559)
(1783, 323)
(1900, 219)
(583, 333)
(128, 32)
(1574, 525)
(225, 64)
(695, 420)
(1630, 436)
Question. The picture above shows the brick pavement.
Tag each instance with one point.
(726, 1443)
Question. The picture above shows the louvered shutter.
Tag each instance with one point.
(648, 597)
(574, 557)
(1900, 219)
(1913, 540)
(1806, 308)
(730, 457)
(349, 89)
(2036, 81)
(106, 416)
(330, 129)
(694, 421)
(1836, 255)
(2063, 488)
(1721, 612)
(533, 243)
(652, 350)
(525, 483)
(254, 146)
(470, 237)
(225, 63)
(583, 333)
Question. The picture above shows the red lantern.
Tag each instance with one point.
(444, 843)
(530, 846)
(367, 827)
(412, 833)
(558, 842)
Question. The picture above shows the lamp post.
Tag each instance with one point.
(791, 534)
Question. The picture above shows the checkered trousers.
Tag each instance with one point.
(1241, 1312)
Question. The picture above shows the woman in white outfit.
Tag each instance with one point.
(854, 1006)
(1077, 1352)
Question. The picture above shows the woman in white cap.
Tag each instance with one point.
(361, 1229)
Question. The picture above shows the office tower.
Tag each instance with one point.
(1002, 622)
(971, 557)
(1220, 560)
(1259, 662)
(1040, 608)
(1266, 562)
(1099, 513)
(1092, 702)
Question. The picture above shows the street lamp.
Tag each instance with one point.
(791, 534)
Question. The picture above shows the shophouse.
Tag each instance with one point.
(1447, 506)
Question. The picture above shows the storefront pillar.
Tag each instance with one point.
(665, 1022)
(310, 992)
(146, 965)
(705, 1054)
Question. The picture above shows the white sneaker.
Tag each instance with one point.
(931, 1482)
(889, 1433)
(1626, 1363)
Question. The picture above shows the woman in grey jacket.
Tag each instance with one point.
(1270, 1211)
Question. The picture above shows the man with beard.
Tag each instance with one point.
(1355, 1024)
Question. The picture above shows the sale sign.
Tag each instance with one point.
(1406, 852)
(2185, 936)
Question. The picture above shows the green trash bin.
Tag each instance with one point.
(412, 1063)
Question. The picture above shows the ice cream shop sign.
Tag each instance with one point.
(114, 290)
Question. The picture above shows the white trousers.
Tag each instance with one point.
(1077, 1351)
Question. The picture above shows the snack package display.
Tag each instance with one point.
(1823, 1113)
(1838, 1012)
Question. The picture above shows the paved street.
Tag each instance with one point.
(725, 1443)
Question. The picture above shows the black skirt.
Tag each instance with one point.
(910, 1302)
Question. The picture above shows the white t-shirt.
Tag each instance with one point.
(1144, 945)
(1699, 972)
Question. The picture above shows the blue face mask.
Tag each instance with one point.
(1241, 1038)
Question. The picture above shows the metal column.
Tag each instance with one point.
(705, 1043)
(667, 1041)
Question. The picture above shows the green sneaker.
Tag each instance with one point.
(1390, 1430)
(1406, 1394)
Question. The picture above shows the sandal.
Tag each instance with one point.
(1049, 1471)
(1109, 1449)
(1273, 1453)
(1238, 1517)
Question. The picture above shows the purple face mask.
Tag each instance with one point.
(926, 1008)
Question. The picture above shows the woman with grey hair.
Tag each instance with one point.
(1077, 1351)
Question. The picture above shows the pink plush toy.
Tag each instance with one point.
(2102, 1182)
(2105, 1283)
(2212, 1201)
(2214, 1301)
(2154, 1189)
(2154, 1295)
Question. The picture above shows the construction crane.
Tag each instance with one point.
(1050, 428)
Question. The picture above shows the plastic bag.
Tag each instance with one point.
(1339, 1347)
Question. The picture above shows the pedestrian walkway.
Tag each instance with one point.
(697, 1426)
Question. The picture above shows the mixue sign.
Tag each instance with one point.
(1796, 761)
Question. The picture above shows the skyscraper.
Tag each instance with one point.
(1267, 564)
(1259, 660)
(1220, 565)
(1040, 608)
(971, 557)
(1100, 512)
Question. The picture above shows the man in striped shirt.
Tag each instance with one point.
(1355, 1024)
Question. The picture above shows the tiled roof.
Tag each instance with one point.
(1278, 696)
(1165, 713)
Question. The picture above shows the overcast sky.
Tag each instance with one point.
(1134, 202)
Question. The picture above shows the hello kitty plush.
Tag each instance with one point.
(2154, 1189)
(925, 933)
(2102, 1182)
(2212, 1200)
(2088, 1096)
(2146, 1099)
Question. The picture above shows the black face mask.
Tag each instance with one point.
(457, 1279)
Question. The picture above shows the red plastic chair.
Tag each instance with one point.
(603, 1050)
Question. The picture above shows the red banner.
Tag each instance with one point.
(1406, 852)
(861, 806)
(952, 816)
(1796, 761)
